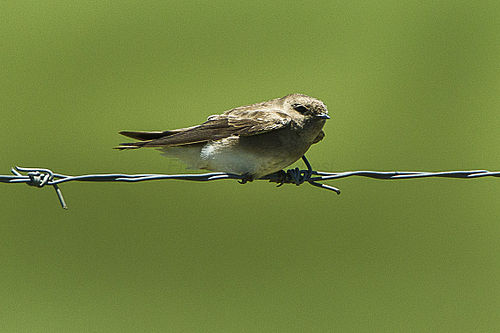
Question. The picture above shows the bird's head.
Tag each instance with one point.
(308, 107)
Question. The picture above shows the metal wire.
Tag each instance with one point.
(39, 177)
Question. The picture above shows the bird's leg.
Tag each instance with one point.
(281, 177)
(246, 177)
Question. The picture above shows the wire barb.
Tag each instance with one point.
(39, 177)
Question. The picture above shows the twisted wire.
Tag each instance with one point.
(40, 177)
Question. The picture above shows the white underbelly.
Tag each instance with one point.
(227, 156)
(222, 156)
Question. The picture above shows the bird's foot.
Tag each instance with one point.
(279, 177)
(291, 176)
(246, 177)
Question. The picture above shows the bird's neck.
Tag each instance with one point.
(309, 128)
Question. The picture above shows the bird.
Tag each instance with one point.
(252, 141)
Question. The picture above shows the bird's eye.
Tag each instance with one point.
(300, 108)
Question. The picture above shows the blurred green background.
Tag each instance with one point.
(411, 85)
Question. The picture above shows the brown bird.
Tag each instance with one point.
(253, 140)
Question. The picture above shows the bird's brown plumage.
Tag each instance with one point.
(263, 136)
(233, 122)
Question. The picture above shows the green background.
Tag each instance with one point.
(410, 85)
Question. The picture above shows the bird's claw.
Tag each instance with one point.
(245, 178)
(281, 178)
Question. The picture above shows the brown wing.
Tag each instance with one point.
(234, 122)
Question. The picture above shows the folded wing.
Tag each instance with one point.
(234, 122)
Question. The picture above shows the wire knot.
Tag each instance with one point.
(297, 176)
(39, 179)
(293, 176)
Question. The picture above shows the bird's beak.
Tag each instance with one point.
(323, 116)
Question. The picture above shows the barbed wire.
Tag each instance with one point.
(39, 177)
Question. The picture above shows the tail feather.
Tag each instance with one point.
(147, 138)
(130, 145)
(144, 136)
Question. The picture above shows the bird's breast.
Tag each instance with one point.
(257, 155)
